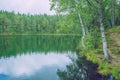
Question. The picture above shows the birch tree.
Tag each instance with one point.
(99, 8)
(72, 6)
(102, 28)
(104, 11)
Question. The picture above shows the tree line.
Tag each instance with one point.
(31, 24)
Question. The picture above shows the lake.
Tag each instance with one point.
(44, 57)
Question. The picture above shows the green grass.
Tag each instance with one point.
(104, 67)
(115, 29)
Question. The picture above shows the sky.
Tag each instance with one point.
(27, 6)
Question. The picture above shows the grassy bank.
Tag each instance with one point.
(96, 54)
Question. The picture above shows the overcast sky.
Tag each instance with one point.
(26, 6)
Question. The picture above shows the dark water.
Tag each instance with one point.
(43, 58)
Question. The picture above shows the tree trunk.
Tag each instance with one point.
(105, 50)
(82, 25)
(83, 30)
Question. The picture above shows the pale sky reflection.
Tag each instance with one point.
(28, 64)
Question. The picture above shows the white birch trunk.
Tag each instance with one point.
(106, 56)
(82, 25)
(83, 30)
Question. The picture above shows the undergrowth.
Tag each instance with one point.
(93, 52)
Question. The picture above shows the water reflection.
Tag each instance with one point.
(35, 65)
(80, 69)
(43, 58)
(14, 45)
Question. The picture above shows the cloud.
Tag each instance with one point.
(27, 6)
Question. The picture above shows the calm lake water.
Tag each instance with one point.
(43, 58)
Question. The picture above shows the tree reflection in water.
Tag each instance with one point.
(80, 69)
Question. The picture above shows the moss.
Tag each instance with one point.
(114, 29)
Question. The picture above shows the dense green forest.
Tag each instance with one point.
(11, 23)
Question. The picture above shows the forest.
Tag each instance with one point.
(11, 23)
